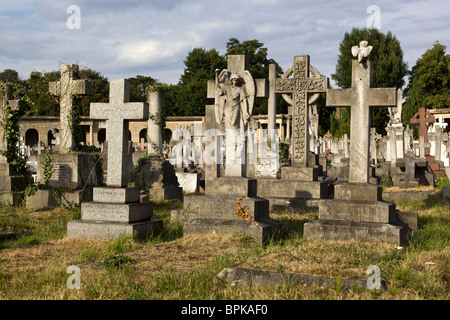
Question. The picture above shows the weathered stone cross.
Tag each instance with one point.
(118, 112)
(5, 99)
(300, 85)
(423, 120)
(360, 97)
(64, 89)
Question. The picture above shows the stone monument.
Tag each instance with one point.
(116, 210)
(299, 183)
(230, 204)
(10, 182)
(72, 171)
(155, 173)
(357, 210)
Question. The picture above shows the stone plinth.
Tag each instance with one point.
(158, 175)
(72, 170)
(114, 212)
(358, 212)
(220, 210)
(11, 185)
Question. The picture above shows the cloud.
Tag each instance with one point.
(119, 38)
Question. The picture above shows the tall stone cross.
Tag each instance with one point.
(423, 120)
(300, 85)
(117, 113)
(5, 99)
(360, 97)
(69, 85)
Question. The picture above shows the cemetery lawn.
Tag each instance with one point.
(167, 266)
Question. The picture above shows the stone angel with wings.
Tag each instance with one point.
(234, 99)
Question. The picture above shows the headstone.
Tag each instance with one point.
(423, 120)
(357, 210)
(230, 204)
(64, 89)
(116, 210)
(300, 85)
(298, 185)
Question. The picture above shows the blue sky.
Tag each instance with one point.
(122, 39)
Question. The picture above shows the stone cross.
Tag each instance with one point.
(360, 98)
(142, 144)
(64, 89)
(117, 113)
(300, 85)
(423, 120)
(422, 146)
(40, 147)
(5, 99)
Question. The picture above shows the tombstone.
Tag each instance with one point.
(72, 171)
(64, 89)
(298, 185)
(423, 120)
(116, 210)
(10, 182)
(357, 210)
(230, 204)
(156, 173)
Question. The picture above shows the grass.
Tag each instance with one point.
(170, 266)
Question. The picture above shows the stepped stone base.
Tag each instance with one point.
(50, 199)
(358, 212)
(260, 231)
(112, 230)
(219, 210)
(115, 212)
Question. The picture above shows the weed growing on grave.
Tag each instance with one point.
(242, 212)
(117, 261)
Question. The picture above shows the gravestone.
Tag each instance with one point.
(298, 185)
(156, 173)
(357, 210)
(69, 85)
(230, 204)
(116, 210)
(10, 182)
(73, 171)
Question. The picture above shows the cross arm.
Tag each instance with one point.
(382, 97)
(339, 97)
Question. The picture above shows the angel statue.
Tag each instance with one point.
(234, 99)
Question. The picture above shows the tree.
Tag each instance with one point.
(191, 94)
(139, 88)
(388, 69)
(258, 67)
(429, 82)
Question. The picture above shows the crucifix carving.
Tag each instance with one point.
(360, 98)
(300, 85)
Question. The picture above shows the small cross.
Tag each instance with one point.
(423, 120)
(142, 144)
(40, 147)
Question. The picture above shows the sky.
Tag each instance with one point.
(122, 39)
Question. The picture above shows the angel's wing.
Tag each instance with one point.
(366, 51)
(250, 89)
(355, 51)
(220, 99)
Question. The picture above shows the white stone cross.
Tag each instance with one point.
(117, 113)
(360, 97)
